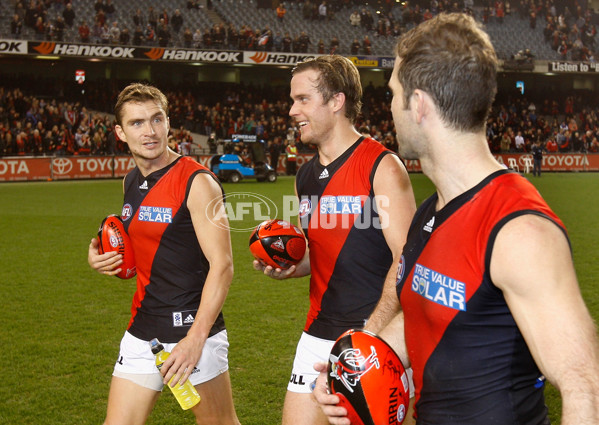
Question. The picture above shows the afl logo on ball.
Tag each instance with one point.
(305, 207)
(127, 212)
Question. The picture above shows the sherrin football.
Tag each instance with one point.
(369, 379)
(278, 243)
(112, 237)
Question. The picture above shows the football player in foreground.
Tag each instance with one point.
(490, 300)
(356, 203)
(172, 213)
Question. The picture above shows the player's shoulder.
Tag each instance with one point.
(390, 169)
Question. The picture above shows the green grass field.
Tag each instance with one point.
(63, 322)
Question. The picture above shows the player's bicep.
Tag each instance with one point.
(532, 264)
(206, 206)
(395, 202)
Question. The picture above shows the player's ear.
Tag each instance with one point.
(338, 100)
(120, 133)
(420, 103)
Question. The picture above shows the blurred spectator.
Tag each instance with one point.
(281, 12)
(367, 45)
(59, 26)
(31, 15)
(149, 34)
(354, 19)
(277, 42)
(212, 142)
(172, 144)
(20, 10)
(321, 46)
(16, 26)
(84, 32)
(207, 39)
(163, 34)
(152, 17)
(101, 17)
(217, 35)
(519, 142)
(40, 28)
(562, 50)
(125, 37)
(197, 39)
(115, 33)
(304, 42)
(99, 5)
(68, 15)
(307, 10)
(551, 146)
(105, 34)
(138, 36)
(322, 11)
(274, 150)
(333, 45)
(187, 38)
(537, 156)
(355, 47)
(177, 21)
(163, 17)
(506, 142)
(287, 42)
(138, 19)
(185, 146)
(366, 19)
(232, 37)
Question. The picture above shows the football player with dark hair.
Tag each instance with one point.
(487, 304)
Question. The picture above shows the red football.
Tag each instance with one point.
(113, 237)
(278, 243)
(369, 378)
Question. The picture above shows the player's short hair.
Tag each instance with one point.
(337, 75)
(139, 92)
(452, 59)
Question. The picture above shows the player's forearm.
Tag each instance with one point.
(214, 295)
(388, 306)
(580, 406)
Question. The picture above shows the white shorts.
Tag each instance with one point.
(309, 350)
(137, 363)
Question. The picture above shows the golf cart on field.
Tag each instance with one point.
(233, 167)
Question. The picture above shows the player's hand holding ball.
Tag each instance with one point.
(278, 246)
(369, 379)
(111, 252)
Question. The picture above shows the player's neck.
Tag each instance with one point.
(340, 141)
(148, 166)
(459, 165)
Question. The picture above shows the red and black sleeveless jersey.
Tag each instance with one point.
(349, 257)
(471, 364)
(171, 267)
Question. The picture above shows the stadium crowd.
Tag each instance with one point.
(34, 122)
(37, 123)
(569, 26)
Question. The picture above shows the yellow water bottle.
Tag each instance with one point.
(186, 394)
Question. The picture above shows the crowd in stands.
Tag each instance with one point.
(35, 123)
(568, 26)
(569, 126)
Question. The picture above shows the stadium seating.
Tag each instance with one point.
(509, 37)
